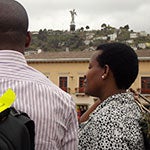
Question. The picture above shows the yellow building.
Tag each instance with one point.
(67, 70)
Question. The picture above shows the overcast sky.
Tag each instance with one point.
(54, 14)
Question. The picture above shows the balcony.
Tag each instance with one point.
(66, 89)
(79, 91)
(145, 91)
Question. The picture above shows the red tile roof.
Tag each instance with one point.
(54, 55)
(76, 54)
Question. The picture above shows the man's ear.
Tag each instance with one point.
(28, 39)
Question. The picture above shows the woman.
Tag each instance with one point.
(114, 124)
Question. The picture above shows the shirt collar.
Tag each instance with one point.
(121, 98)
(12, 56)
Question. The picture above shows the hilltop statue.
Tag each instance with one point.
(72, 23)
(73, 13)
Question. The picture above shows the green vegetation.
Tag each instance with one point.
(83, 38)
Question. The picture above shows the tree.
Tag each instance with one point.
(103, 26)
(87, 27)
(81, 29)
(126, 27)
(43, 35)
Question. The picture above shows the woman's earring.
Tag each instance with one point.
(103, 77)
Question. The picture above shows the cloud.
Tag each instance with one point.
(54, 14)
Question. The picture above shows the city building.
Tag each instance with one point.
(67, 70)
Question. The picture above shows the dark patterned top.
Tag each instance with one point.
(114, 125)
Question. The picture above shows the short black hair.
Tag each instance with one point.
(122, 60)
(13, 16)
(13, 21)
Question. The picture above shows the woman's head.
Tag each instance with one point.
(112, 69)
(122, 60)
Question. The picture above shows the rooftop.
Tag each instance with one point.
(75, 55)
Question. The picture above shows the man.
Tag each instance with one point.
(52, 109)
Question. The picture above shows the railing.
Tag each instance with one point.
(79, 91)
(143, 108)
(66, 89)
(145, 99)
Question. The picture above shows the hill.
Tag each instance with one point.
(56, 40)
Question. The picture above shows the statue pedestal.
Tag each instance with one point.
(72, 27)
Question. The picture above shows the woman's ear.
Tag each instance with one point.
(106, 71)
(28, 39)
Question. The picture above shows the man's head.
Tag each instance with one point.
(13, 26)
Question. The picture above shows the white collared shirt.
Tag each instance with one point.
(52, 109)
